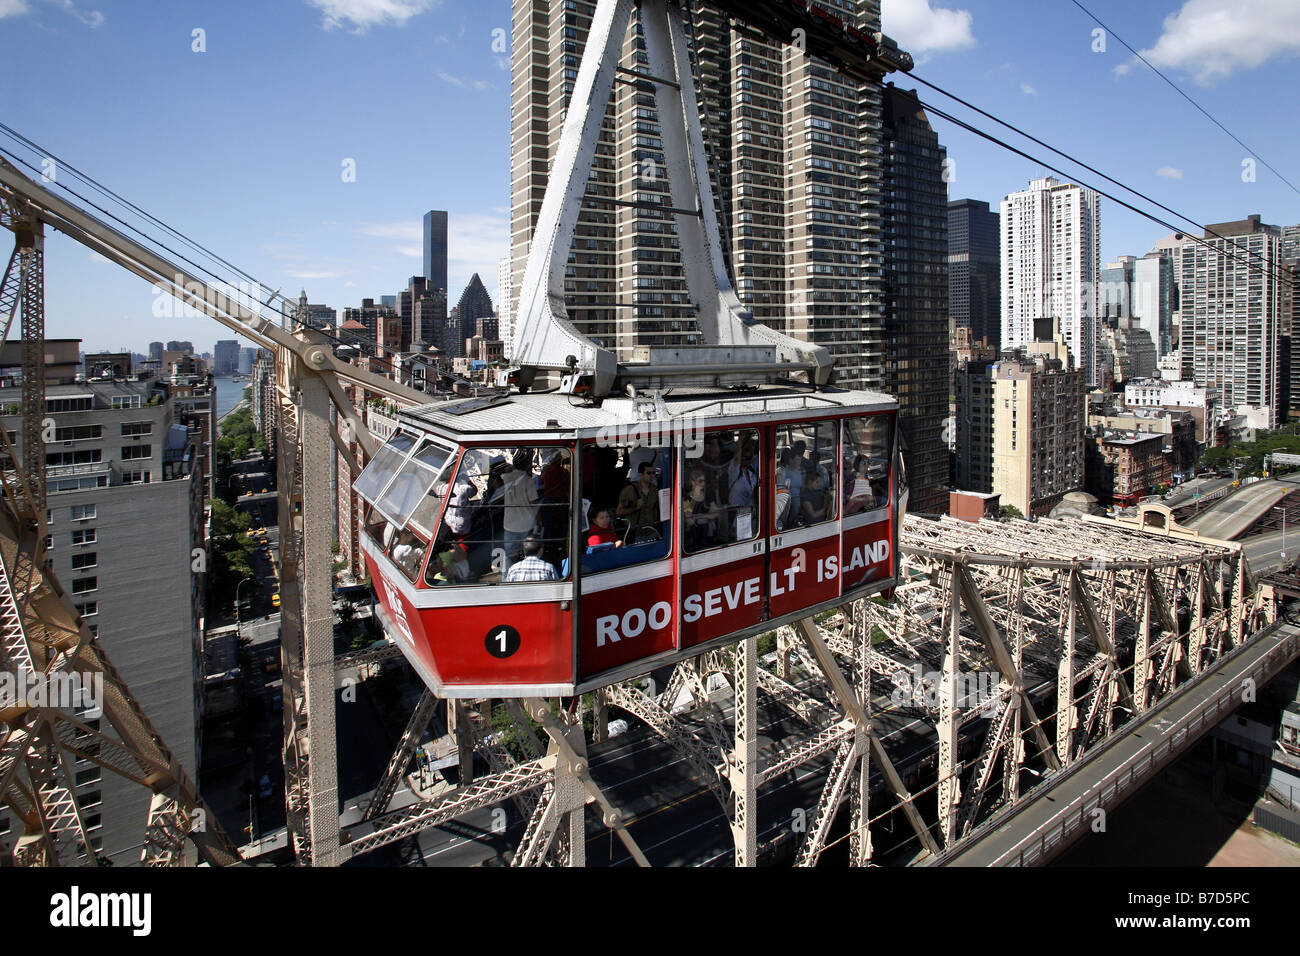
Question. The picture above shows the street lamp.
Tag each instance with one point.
(238, 621)
(1283, 510)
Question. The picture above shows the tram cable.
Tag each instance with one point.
(1183, 93)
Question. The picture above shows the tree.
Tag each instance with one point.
(1009, 511)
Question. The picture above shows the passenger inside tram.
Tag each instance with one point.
(868, 446)
(639, 503)
(701, 516)
(500, 497)
(601, 533)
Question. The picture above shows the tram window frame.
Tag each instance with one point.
(879, 438)
(491, 567)
(383, 468)
(823, 448)
(417, 478)
(603, 494)
(730, 441)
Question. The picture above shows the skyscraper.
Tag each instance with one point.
(505, 306)
(435, 248)
(475, 304)
(225, 357)
(915, 224)
(1231, 298)
(795, 167)
(974, 279)
(1051, 260)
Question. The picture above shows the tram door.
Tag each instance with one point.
(803, 524)
(867, 463)
(624, 546)
(723, 504)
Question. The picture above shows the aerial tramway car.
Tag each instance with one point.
(515, 556)
(644, 509)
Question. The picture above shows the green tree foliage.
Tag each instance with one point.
(232, 551)
(1251, 454)
(238, 435)
(1009, 511)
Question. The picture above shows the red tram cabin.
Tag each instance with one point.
(515, 556)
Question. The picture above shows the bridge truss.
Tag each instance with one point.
(1016, 647)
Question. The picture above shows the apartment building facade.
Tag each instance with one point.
(796, 168)
(126, 537)
(1231, 303)
(1051, 261)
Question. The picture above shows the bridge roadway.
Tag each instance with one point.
(670, 812)
(1233, 515)
(1053, 817)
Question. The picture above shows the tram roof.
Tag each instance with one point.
(563, 415)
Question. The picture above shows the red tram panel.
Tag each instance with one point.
(513, 556)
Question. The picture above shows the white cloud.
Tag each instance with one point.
(464, 82)
(1169, 172)
(1123, 69)
(361, 15)
(96, 257)
(475, 243)
(1028, 90)
(920, 28)
(91, 18)
(409, 229)
(1212, 39)
(315, 275)
(411, 252)
(13, 8)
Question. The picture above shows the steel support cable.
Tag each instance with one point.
(61, 164)
(134, 229)
(1113, 198)
(1181, 92)
(126, 225)
(1078, 162)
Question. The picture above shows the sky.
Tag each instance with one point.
(303, 140)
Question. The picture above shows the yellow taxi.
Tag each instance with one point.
(275, 599)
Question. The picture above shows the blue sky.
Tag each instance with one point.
(242, 146)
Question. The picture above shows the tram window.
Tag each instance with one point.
(868, 454)
(413, 484)
(805, 474)
(629, 494)
(407, 551)
(723, 491)
(499, 498)
(383, 466)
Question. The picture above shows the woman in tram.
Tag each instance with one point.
(699, 514)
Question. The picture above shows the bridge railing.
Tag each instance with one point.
(1064, 826)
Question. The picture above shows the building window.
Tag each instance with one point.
(85, 585)
(126, 401)
(87, 560)
(78, 433)
(83, 512)
(134, 452)
(135, 477)
(136, 428)
(84, 777)
(89, 609)
(84, 536)
(83, 404)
